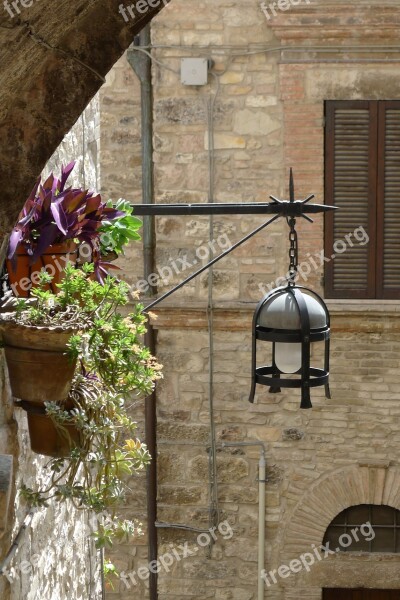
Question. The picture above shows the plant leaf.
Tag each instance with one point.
(46, 239)
(93, 204)
(59, 216)
(66, 171)
(32, 195)
(73, 199)
(15, 238)
(48, 184)
(112, 213)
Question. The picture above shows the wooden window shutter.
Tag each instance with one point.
(350, 183)
(388, 194)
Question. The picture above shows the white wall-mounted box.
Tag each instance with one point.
(194, 71)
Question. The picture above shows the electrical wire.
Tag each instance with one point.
(162, 525)
(213, 469)
(155, 60)
(210, 50)
(214, 514)
(263, 48)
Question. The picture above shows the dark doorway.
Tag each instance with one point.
(346, 594)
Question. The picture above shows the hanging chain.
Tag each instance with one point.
(293, 253)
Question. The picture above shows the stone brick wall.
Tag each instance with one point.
(56, 558)
(267, 116)
(120, 157)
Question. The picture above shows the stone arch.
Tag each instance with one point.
(53, 61)
(364, 483)
(359, 484)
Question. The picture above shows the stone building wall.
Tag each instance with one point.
(56, 557)
(120, 155)
(267, 117)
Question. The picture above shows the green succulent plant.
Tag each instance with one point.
(114, 369)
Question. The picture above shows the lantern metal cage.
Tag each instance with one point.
(291, 318)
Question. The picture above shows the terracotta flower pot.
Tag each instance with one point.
(38, 365)
(45, 437)
(22, 275)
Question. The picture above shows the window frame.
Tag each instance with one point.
(346, 528)
(374, 289)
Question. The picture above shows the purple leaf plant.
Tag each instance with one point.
(54, 214)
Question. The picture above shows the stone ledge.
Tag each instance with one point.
(375, 464)
(364, 306)
(338, 22)
(346, 316)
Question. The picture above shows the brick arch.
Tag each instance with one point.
(333, 493)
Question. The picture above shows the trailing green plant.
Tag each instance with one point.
(110, 573)
(94, 475)
(114, 365)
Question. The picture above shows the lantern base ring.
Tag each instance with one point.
(267, 376)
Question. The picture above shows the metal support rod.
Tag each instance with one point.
(283, 208)
(208, 265)
(280, 208)
(141, 64)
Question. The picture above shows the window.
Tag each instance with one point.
(383, 534)
(362, 177)
(360, 594)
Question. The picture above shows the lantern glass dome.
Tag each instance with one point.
(282, 312)
(291, 319)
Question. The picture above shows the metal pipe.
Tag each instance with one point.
(261, 508)
(14, 546)
(261, 524)
(102, 576)
(141, 64)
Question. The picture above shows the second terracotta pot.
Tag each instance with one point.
(39, 367)
(48, 439)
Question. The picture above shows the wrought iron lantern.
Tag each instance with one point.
(291, 318)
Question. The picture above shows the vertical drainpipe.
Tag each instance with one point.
(261, 508)
(141, 64)
(261, 523)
